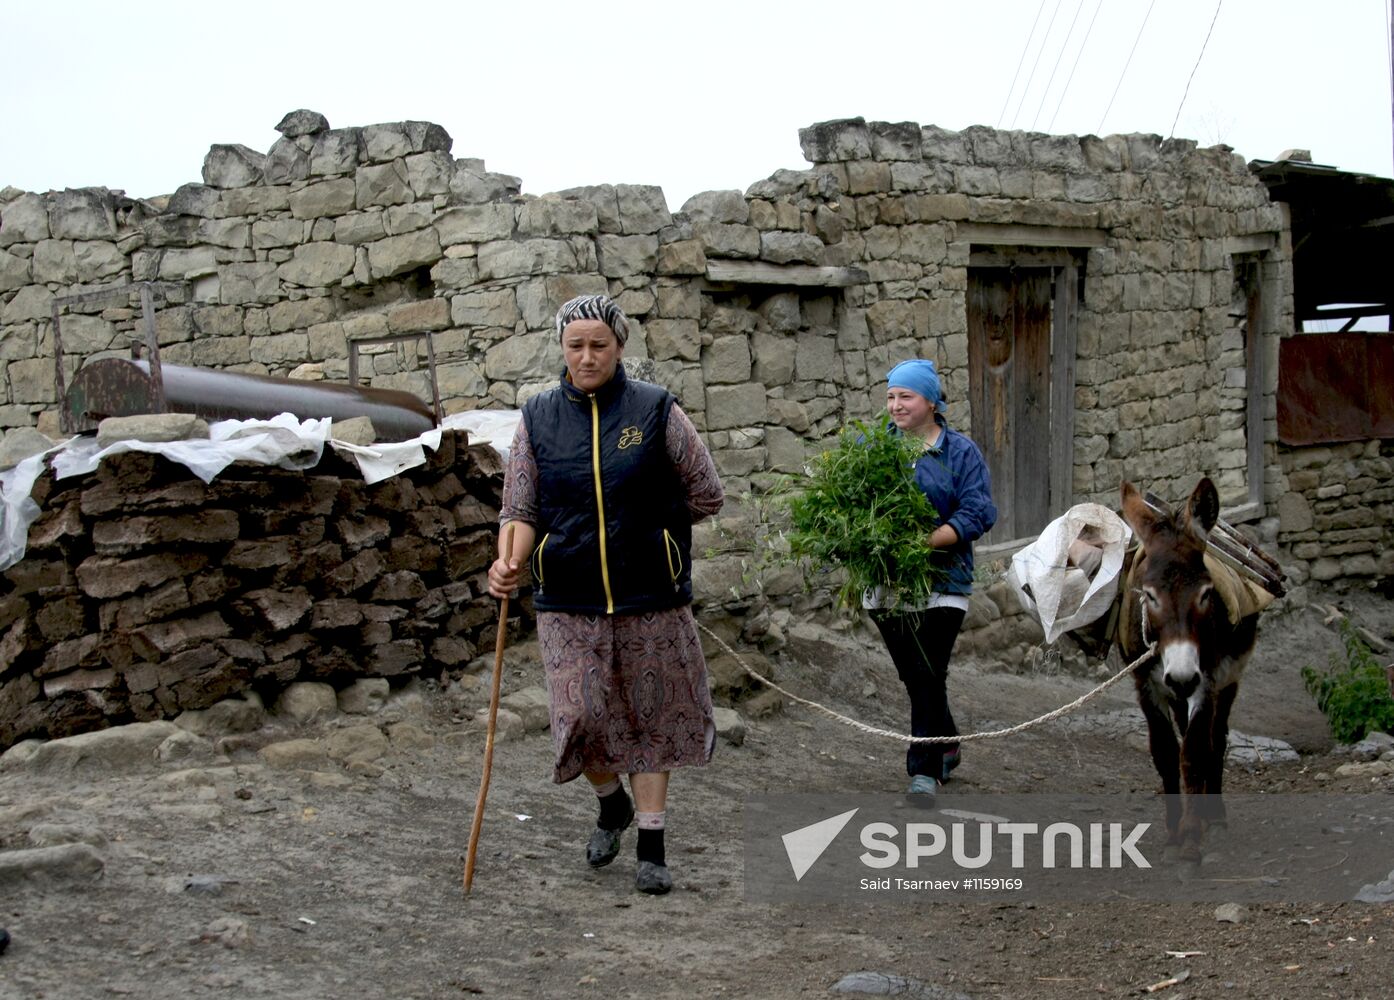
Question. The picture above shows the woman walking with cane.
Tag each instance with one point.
(605, 478)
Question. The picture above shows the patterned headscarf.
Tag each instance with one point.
(600, 307)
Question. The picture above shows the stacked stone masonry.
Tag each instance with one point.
(278, 259)
(146, 592)
(1337, 515)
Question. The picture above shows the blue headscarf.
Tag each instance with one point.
(920, 377)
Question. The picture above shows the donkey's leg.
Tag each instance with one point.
(1215, 813)
(1238, 647)
(1196, 753)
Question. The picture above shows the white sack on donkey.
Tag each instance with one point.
(1068, 577)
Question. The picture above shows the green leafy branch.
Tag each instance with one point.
(858, 510)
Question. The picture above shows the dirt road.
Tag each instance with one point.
(331, 867)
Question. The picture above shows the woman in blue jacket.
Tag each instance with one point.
(954, 477)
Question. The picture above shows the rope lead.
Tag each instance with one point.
(905, 738)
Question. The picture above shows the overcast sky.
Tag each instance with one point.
(688, 96)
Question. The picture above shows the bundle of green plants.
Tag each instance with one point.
(1353, 692)
(859, 510)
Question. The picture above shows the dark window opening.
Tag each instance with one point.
(413, 286)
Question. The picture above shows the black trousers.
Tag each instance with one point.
(920, 643)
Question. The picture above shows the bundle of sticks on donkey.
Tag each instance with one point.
(1204, 635)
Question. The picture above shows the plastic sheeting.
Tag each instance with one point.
(494, 427)
(1061, 595)
(17, 508)
(284, 440)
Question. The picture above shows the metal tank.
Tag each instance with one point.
(122, 387)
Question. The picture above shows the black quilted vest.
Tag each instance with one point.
(614, 535)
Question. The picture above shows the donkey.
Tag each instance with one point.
(1171, 600)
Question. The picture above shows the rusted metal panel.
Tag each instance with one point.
(113, 387)
(1335, 387)
(149, 292)
(1380, 351)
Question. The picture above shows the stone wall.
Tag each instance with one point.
(277, 258)
(1337, 514)
(146, 592)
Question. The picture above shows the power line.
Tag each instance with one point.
(1032, 75)
(1059, 56)
(1218, 5)
(1020, 60)
(1071, 77)
(1127, 64)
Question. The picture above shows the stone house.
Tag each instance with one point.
(1101, 308)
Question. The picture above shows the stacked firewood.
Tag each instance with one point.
(145, 592)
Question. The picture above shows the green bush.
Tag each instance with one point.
(1353, 692)
(860, 511)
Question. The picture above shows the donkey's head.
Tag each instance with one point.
(1179, 603)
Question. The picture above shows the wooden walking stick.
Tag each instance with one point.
(489, 732)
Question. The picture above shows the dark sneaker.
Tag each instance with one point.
(951, 761)
(604, 845)
(4, 940)
(653, 879)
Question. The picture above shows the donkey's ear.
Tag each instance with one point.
(1139, 516)
(1203, 509)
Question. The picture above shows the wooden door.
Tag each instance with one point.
(1009, 323)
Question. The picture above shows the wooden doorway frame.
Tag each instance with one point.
(1255, 255)
(1063, 250)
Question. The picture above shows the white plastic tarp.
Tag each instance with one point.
(1061, 595)
(285, 441)
(17, 508)
(493, 427)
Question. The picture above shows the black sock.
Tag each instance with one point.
(614, 810)
(651, 846)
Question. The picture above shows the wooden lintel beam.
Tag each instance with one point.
(1023, 258)
(1253, 243)
(1012, 234)
(116, 293)
(757, 272)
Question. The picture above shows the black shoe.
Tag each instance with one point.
(604, 845)
(653, 879)
(4, 940)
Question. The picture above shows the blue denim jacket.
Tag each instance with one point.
(954, 476)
